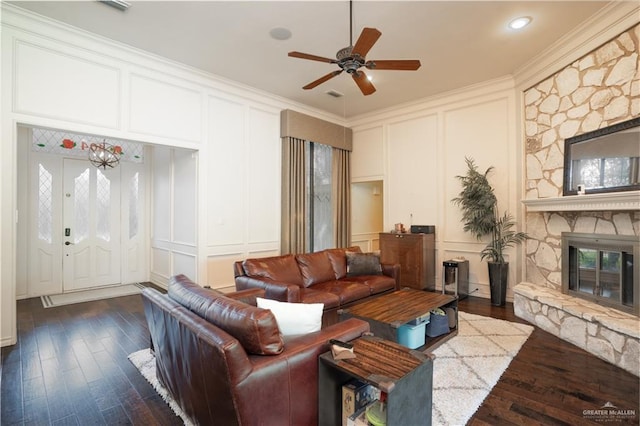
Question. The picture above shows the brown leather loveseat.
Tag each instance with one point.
(225, 362)
(321, 277)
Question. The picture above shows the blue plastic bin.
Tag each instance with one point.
(412, 336)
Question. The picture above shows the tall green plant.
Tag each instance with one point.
(480, 214)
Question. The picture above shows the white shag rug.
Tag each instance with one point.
(54, 300)
(465, 368)
(470, 364)
(145, 362)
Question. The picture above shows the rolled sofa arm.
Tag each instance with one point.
(295, 373)
(274, 290)
(247, 296)
(392, 270)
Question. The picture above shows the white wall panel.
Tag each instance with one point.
(163, 109)
(185, 168)
(161, 262)
(220, 270)
(185, 264)
(225, 170)
(161, 193)
(412, 192)
(367, 159)
(479, 131)
(57, 85)
(263, 177)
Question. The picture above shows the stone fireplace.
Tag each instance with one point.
(595, 91)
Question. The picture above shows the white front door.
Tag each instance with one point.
(91, 223)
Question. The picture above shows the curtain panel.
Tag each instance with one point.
(341, 181)
(293, 222)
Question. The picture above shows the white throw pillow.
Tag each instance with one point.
(294, 318)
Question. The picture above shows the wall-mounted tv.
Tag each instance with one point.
(604, 160)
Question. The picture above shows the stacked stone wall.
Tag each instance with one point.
(596, 91)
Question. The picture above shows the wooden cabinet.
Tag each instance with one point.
(416, 254)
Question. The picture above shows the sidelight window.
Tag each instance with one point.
(319, 198)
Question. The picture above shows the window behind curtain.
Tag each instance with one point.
(319, 197)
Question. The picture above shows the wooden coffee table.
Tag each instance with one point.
(385, 314)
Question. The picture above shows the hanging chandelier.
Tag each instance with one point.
(104, 155)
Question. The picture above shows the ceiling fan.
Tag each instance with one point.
(353, 57)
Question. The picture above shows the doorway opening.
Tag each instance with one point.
(367, 204)
(80, 226)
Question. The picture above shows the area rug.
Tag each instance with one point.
(465, 368)
(470, 364)
(54, 300)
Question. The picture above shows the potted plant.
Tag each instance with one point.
(481, 217)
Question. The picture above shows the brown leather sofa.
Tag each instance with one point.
(225, 362)
(319, 277)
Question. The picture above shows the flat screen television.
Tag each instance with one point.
(604, 160)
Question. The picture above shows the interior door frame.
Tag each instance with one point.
(137, 269)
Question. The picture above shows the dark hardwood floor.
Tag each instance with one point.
(70, 366)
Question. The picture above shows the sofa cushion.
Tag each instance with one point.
(376, 283)
(363, 264)
(315, 268)
(294, 319)
(278, 268)
(338, 259)
(347, 291)
(309, 295)
(256, 329)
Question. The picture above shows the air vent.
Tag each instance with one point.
(334, 93)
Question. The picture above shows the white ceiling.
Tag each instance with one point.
(459, 43)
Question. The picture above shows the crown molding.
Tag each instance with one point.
(81, 41)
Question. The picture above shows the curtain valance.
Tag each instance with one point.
(301, 126)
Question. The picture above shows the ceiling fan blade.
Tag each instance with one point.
(367, 39)
(311, 57)
(322, 79)
(363, 83)
(403, 65)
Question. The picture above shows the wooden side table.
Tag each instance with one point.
(405, 375)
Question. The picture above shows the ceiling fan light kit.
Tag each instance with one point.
(353, 57)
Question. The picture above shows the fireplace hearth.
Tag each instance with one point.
(603, 269)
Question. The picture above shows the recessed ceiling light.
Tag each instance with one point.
(280, 33)
(519, 23)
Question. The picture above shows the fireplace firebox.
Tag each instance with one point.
(602, 268)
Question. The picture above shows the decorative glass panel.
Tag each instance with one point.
(103, 200)
(77, 145)
(81, 206)
(133, 206)
(45, 210)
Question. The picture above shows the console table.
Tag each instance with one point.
(405, 375)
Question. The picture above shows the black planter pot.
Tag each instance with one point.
(498, 275)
